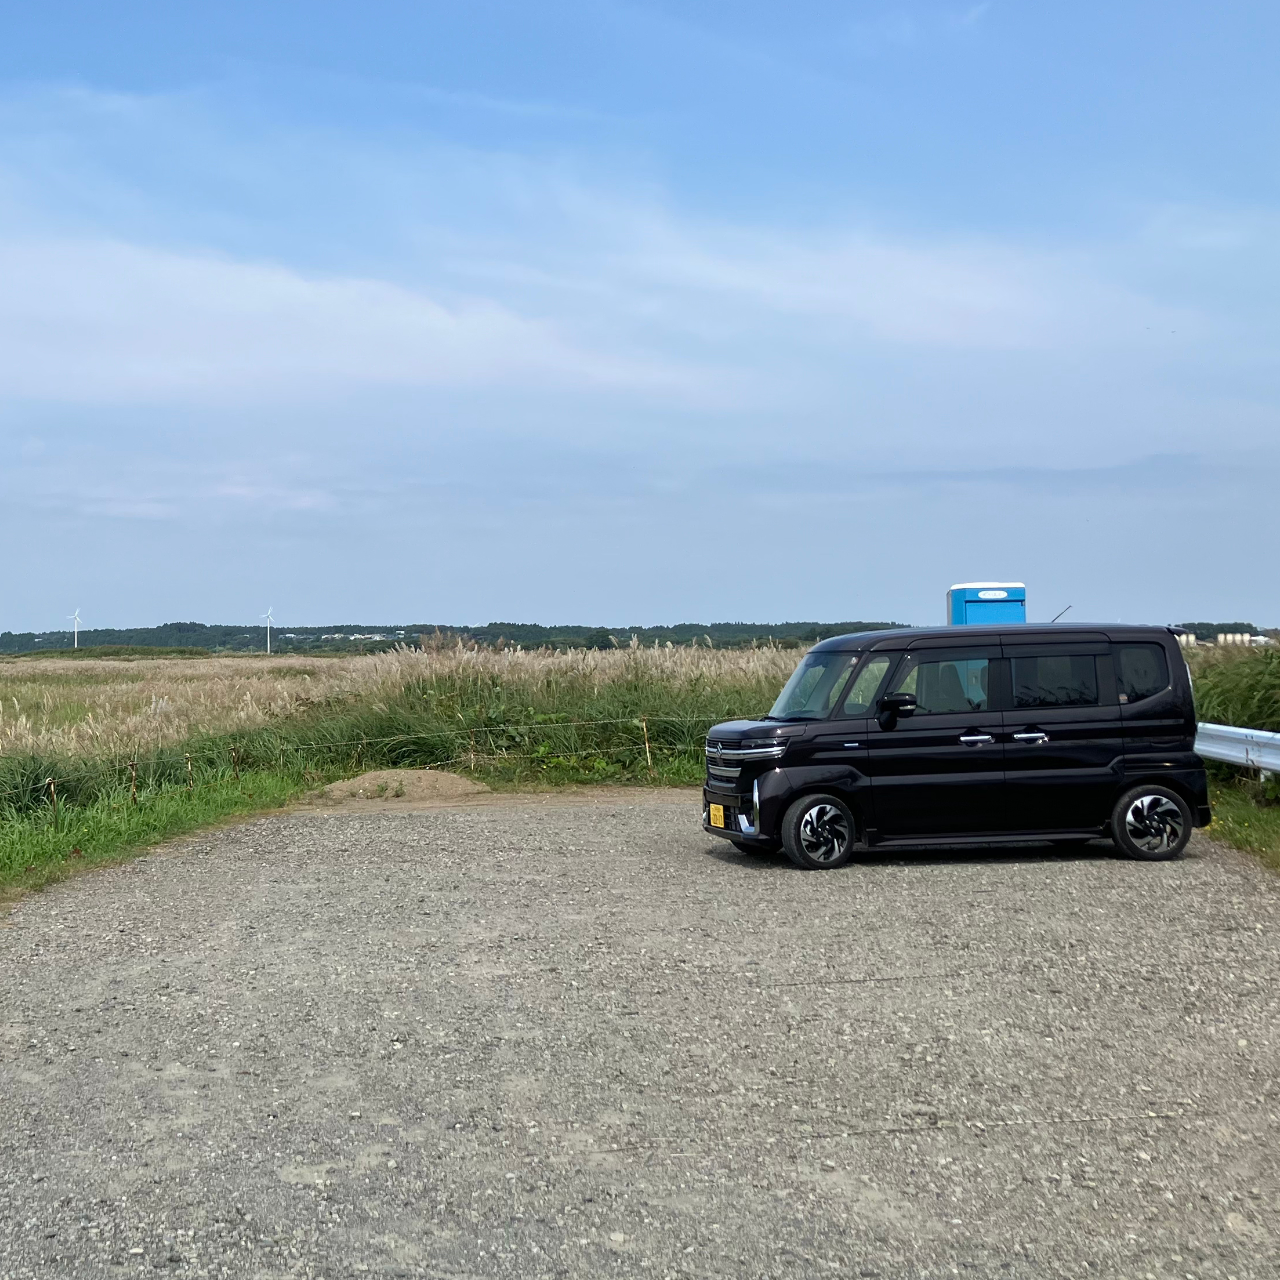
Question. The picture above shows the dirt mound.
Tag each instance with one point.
(407, 785)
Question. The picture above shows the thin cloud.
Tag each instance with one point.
(974, 15)
(507, 272)
(127, 509)
(722, 279)
(101, 320)
(105, 321)
(274, 497)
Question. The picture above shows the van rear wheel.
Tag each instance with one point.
(819, 833)
(1151, 823)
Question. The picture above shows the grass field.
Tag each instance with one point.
(142, 749)
(97, 706)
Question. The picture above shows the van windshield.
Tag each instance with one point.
(813, 688)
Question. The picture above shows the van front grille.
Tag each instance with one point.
(721, 752)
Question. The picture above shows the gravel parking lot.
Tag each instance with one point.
(578, 1037)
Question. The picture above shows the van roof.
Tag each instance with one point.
(1018, 633)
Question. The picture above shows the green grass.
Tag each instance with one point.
(1238, 686)
(1241, 821)
(518, 732)
(38, 847)
(1242, 687)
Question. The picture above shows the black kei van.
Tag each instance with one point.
(967, 735)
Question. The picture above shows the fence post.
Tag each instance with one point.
(133, 782)
(648, 755)
(235, 762)
(53, 797)
(191, 784)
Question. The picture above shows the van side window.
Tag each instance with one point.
(865, 683)
(1141, 671)
(1060, 680)
(951, 687)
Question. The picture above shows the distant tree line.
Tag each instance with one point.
(361, 638)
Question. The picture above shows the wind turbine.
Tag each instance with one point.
(270, 620)
(74, 619)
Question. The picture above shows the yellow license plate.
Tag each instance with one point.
(717, 815)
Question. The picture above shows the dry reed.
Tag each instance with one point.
(113, 707)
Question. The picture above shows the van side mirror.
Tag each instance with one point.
(894, 707)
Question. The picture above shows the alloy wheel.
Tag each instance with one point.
(824, 833)
(1154, 824)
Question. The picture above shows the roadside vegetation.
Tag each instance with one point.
(100, 756)
(1242, 687)
(1238, 686)
(1246, 818)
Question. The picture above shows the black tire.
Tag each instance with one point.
(1151, 823)
(819, 833)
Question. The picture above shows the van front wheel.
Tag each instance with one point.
(819, 833)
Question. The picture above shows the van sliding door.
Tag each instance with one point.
(1064, 750)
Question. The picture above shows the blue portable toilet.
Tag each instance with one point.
(986, 603)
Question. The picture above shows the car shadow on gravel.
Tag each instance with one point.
(929, 855)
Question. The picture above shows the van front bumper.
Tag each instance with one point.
(741, 813)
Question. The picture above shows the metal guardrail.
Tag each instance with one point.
(1254, 748)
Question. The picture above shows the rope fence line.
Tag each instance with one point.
(476, 756)
(562, 755)
(492, 728)
(230, 757)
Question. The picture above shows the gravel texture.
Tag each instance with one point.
(584, 1039)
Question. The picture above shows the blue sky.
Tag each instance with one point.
(637, 312)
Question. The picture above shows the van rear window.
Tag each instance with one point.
(1141, 670)
(1060, 680)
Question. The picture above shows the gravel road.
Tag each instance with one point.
(579, 1038)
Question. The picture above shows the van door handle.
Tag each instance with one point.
(975, 739)
(1035, 739)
